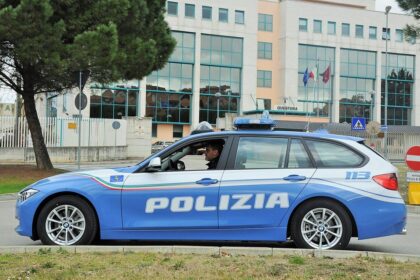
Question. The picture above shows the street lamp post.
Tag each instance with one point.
(372, 102)
(387, 9)
(218, 95)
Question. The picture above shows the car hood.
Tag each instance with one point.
(81, 179)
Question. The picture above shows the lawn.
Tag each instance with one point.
(129, 265)
(13, 178)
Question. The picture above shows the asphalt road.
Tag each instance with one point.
(399, 244)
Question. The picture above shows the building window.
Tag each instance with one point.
(239, 17)
(264, 50)
(331, 28)
(223, 15)
(359, 31)
(113, 103)
(218, 50)
(220, 71)
(372, 32)
(303, 24)
(317, 26)
(399, 35)
(154, 130)
(357, 84)
(315, 98)
(264, 79)
(263, 104)
(168, 90)
(400, 74)
(177, 131)
(190, 10)
(386, 34)
(265, 22)
(206, 12)
(172, 8)
(345, 29)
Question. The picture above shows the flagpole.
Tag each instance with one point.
(317, 86)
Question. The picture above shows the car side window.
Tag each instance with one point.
(327, 154)
(261, 153)
(200, 155)
(298, 157)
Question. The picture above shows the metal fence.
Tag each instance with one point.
(63, 132)
(398, 141)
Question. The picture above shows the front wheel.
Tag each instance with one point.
(321, 224)
(67, 220)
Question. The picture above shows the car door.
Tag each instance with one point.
(262, 180)
(173, 199)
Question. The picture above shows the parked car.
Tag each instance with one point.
(160, 145)
(316, 189)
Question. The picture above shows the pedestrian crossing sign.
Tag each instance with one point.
(358, 123)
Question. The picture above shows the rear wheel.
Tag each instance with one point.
(67, 220)
(321, 224)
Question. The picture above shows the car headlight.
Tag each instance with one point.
(26, 194)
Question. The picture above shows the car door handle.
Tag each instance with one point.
(294, 178)
(207, 181)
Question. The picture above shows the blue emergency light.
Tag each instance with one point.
(265, 123)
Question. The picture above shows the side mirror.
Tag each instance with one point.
(155, 164)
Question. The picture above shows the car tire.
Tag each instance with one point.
(67, 220)
(321, 224)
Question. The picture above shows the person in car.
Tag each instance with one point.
(213, 152)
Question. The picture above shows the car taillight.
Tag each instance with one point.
(388, 181)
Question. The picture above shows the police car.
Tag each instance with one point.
(316, 189)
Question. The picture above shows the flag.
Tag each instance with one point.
(314, 73)
(305, 77)
(326, 74)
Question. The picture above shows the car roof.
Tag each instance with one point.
(277, 133)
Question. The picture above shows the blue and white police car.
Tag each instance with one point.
(316, 189)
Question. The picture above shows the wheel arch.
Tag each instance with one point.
(353, 221)
(35, 235)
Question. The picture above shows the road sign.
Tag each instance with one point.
(384, 128)
(82, 102)
(116, 125)
(358, 123)
(413, 177)
(412, 158)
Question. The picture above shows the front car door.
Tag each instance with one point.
(175, 199)
(262, 180)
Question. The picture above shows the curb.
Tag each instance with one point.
(8, 196)
(411, 209)
(213, 251)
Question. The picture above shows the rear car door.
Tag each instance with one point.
(263, 178)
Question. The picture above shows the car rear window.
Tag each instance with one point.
(327, 154)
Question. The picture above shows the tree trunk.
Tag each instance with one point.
(41, 153)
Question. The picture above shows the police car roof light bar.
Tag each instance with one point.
(265, 123)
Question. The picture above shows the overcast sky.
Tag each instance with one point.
(381, 4)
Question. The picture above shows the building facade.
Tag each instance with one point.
(238, 60)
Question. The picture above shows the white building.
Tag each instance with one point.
(255, 55)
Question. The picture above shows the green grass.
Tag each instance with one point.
(13, 178)
(66, 265)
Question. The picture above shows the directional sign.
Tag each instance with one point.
(358, 123)
(412, 158)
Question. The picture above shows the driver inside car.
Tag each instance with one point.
(192, 156)
(213, 152)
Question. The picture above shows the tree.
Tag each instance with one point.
(412, 7)
(43, 42)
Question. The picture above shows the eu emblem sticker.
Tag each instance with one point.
(116, 178)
